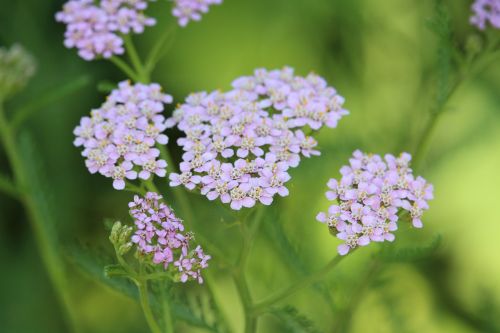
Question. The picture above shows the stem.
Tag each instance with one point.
(179, 194)
(167, 312)
(122, 65)
(343, 324)
(146, 307)
(424, 139)
(239, 274)
(472, 68)
(9, 188)
(262, 306)
(49, 253)
(136, 60)
(156, 53)
(46, 99)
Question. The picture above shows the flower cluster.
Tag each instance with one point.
(94, 27)
(370, 197)
(240, 144)
(187, 10)
(16, 67)
(160, 235)
(486, 11)
(119, 138)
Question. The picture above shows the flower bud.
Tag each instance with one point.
(16, 68)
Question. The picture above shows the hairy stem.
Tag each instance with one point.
(265, 304)
(49, 253)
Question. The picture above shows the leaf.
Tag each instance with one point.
(441, 26)
(294, 321)
(388, 254)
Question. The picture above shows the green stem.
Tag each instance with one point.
(167, 311)
(435, 114)
(9, 188)
(265, 304)
(240, 279)
(345, 318)
(472, 68)
(122, 65)
(49, 253)
(135, 59)
(146, 307)
(162, 44)
(178, 192)
(47, 99)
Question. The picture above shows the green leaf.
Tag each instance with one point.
(294, 321)
(388, 254)
(40, 207)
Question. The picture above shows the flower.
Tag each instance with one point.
(16, 68)
(240, 144)
(191, 10)
(160, 236)
(484, 12)
(119, 138)
(95, 28)
(371, 195)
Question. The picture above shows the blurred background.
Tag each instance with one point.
(381, 56)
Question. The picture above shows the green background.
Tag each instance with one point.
(380, 55)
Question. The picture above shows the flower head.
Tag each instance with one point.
(191, 10)
(370, 197)
(160, 237)
(95, 27)
(119, 138)
(240, 144)
(16, 68)
(484, 12)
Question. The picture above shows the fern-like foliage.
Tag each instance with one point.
(293, 321)
(409, 254)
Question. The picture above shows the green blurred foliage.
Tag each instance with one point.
(381, 56)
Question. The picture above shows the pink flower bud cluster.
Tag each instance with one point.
(119, 138)
(95, 27)
(191, 10)
(484, 12)
(371, 196)
(240, 144)
(160, 234)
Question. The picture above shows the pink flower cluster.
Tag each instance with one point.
(486, 11)
(94, 27)
(160, 234)
(119, 138)
(191, 10)
(240, 144)
(369, 197)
